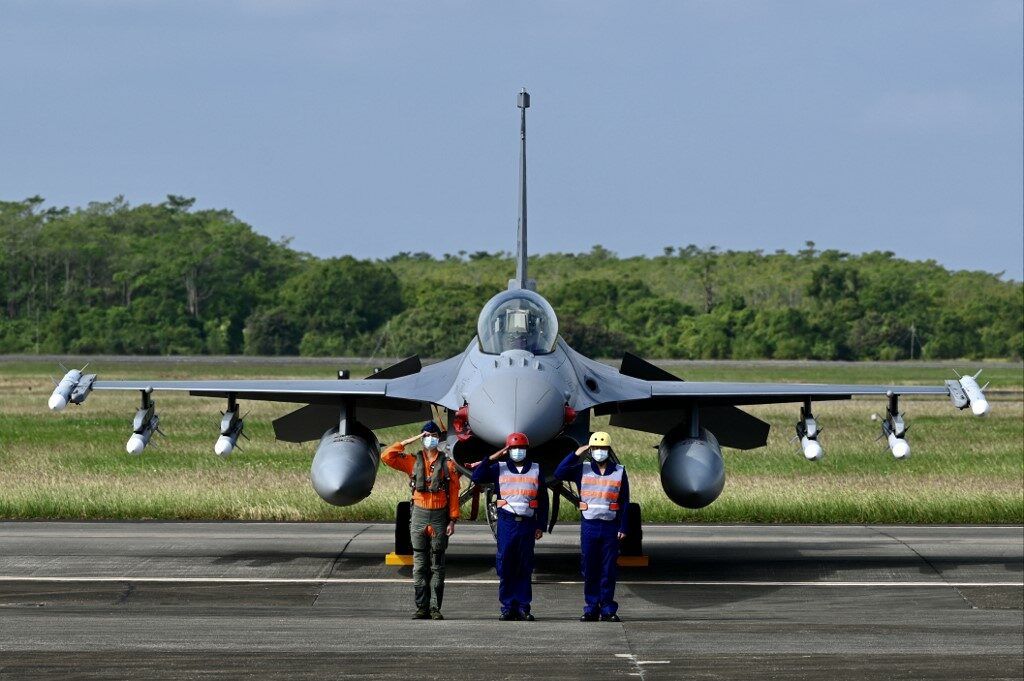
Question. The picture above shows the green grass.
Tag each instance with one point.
(73, 465)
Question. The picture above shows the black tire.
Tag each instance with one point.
(403, 537)
(633, 544)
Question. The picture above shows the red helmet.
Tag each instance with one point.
(517, 440)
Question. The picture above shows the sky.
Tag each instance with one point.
(370, 128)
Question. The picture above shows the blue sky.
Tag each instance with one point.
(375, 127)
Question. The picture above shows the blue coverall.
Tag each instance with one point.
(516, 540)
(599, 541)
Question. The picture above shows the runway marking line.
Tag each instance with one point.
(400, 580)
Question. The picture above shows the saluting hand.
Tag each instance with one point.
(580, 451)
(410, 440)
(498, 454)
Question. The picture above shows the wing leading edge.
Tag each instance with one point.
(769, 393)
(305, 391)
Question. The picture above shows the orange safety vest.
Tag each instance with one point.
(599, 494)
(518, 490)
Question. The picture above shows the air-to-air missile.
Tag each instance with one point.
(73, 388)
(146, 422)
(232, 426)
(807, 432)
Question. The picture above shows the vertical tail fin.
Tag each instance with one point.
(522, 280)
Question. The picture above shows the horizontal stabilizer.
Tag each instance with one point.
(308, 423)
(733, 427)
(640, 368)
(408, 366)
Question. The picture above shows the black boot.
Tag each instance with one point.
(588, 617)
(610, 618)
(435, 614)
(506, 616)
(421, 614)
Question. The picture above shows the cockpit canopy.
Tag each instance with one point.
(517, 319)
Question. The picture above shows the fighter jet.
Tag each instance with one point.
(518, 375)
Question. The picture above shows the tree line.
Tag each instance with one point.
(112, 278)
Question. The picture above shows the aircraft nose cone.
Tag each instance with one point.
(516, 402)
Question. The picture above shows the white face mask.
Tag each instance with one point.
(517, 454)
(599, 455)
(430, 442)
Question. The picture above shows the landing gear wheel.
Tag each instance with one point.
(403, 536)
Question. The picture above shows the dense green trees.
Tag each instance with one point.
(163, 279)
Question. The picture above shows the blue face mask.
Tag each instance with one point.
(517, 454)
(599, 455)
(430, 442)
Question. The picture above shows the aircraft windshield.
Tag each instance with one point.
(517, 320)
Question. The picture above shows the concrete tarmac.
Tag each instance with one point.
(105, 600)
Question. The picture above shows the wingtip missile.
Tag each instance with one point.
(61, 394)
(73, 388)
(976, 398)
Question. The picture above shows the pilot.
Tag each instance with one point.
(522, 517)
(435, 509)
(604, 502)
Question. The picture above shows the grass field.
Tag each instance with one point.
(73, 465)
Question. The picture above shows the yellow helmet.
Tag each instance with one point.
(600, 439)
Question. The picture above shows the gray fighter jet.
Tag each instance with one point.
(519, 375)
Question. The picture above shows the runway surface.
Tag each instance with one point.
(304, 601)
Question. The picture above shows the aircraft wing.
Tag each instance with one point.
(304, 391)
(718, 393)
(718, 404)
(645, 397)
(401, 393)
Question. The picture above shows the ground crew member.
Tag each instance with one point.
(604, 501)
(435, 509)
(522, 517)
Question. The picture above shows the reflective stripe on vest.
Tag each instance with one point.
(518, 490)
(436, 482)
(599, 494)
